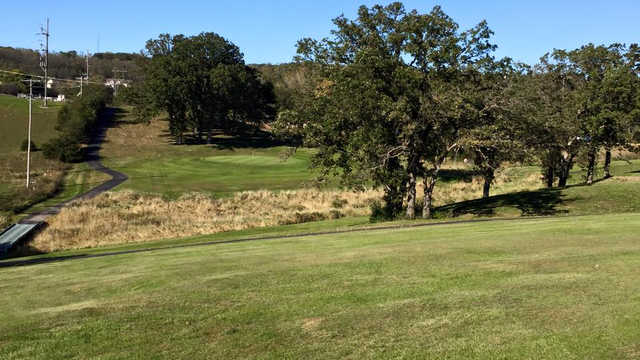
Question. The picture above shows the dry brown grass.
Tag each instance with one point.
(4, 221)
(128, 139)
(124, 217)
(46, 179)
(452, 192)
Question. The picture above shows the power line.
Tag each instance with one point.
(41, 77)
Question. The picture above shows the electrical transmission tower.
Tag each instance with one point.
(44, 57)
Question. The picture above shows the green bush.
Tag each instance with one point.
(64, 148)
(379, 212)
(25, 143)
(339, 203)
(76, 122)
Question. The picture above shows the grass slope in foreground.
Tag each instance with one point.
(557, 288)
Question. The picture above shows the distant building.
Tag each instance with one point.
(112, 83)
(60, 98)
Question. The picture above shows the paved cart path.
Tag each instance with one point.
(93, 160)
(11, 236)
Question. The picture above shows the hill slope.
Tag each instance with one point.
(14, 117)
(556, 288)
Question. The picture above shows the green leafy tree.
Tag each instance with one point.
(448, 63)
(390, 99)
(606, 99)
(496, 137)
(203, 85)
(77, 120)
(549, 116)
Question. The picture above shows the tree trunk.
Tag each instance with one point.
(549, 176)
(411, 196)
(565, 170)
(429, 185)
(489, 175)
(412, 170)
(591, 167)
(607, 164)
(208, 136)
(564, 176)
(200, 135)
(394, 191)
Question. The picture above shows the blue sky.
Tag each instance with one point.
(266, 31)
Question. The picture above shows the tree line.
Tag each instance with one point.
(76, 123)
(64, 65)
(394, 93)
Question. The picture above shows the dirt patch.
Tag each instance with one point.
(311, 324)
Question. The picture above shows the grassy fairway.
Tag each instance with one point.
(146, 154)
(558, 288)
(217, 172)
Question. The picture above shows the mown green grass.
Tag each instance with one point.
(14, 117)
(558, 288)
(221, 172)
(615, 195)
(148, 155)
(79, 179)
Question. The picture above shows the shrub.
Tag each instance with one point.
(25, 143)
(9, 89)
(64, 148)
(335, 214)
(378, 212)
(339, 203)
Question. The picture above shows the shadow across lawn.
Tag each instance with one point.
(257, 140)
(465, 175)
(529, 203)
(251, 138)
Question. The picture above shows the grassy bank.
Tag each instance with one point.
(561, 288)
(46, 175)
(14, 117)
(125, 216)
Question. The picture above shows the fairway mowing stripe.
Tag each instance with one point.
(273, 237)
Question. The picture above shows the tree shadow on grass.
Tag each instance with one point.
(529, 203)
(258, 140)
(465, 175)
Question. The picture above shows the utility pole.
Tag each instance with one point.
(81, 78)
(30, 81)
(44, 58)
(87, 73)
